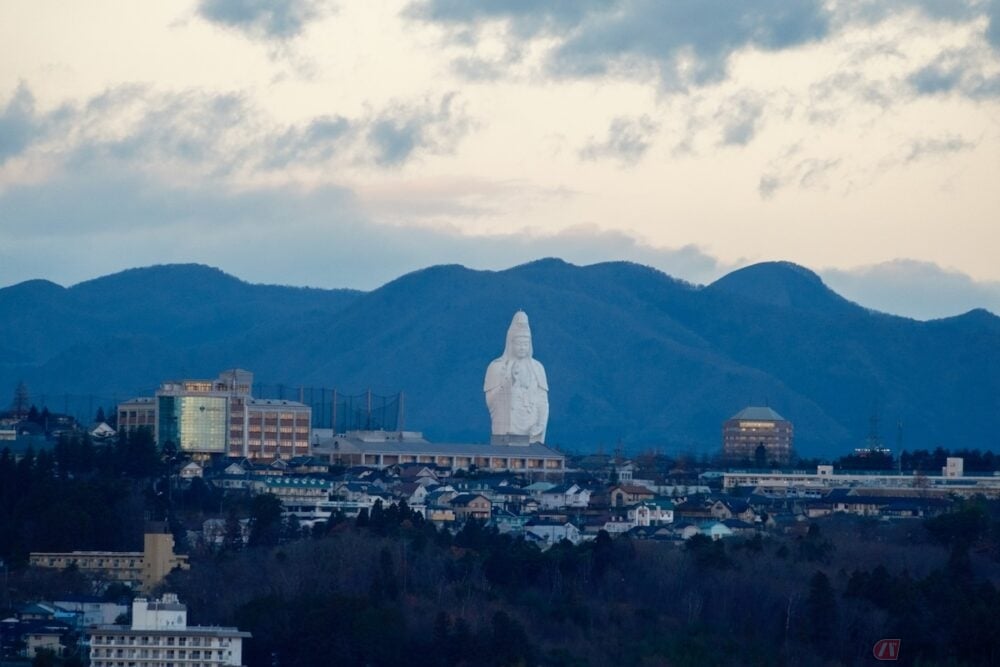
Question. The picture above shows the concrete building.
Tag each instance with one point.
(381, 449)
(757, 434)
(144, 569)
(220, 416)
(159, 635)
(802, 483)
(137, 413)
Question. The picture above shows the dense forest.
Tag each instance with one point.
(390, 589)
(387, 588)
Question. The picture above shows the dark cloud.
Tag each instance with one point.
(271, 19)
(18, 127)
(627, 140)
(993, 27)
(219, 134)
(921, 290)
(968, 71)
(317, 142)
(22, 125)
(396, 134)
(526, 18)
(685, 41)
(943, 74)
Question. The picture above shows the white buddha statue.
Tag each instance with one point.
(517, 392)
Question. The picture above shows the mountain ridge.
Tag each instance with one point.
(632, 353)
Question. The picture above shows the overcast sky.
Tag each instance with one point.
(337, 144)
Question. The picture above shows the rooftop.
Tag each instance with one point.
(758, 414)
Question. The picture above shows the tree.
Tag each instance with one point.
(22, 400)
(44, 657)
(821, 610)
(760, 456)
(265, 520)
(233, 538)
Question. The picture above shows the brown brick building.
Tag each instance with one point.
(758, 435)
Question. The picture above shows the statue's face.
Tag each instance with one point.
(521, 346)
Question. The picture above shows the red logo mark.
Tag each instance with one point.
(886, 649)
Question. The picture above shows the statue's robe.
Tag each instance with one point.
(500, 397)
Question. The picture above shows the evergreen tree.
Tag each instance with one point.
(821, 611)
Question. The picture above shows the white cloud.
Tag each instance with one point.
(921, 290)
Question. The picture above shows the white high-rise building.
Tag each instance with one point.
(159, 635)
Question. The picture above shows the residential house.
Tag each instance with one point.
(548, 532)
(190, 470)
(622, 495)
(654, 512)
(715, 530)
(565, 496)
(471, 506)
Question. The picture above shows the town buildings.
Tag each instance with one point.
(381, 449)
(758, 435)
(951, 481)
(205, 417)
(160, 635)
(143, 570)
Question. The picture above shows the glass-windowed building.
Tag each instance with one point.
(193, 423)
(221, 417)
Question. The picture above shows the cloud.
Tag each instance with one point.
(627, 140)
(685, 42)
(396, 134)
(194, 134)
(942, 75)
(18, 126)
(921, 290)
(791, 170)
(740, 118)
(85, 224)
(526, 19)
(268, 19)
(936, 147)
(993, 27)
(316, 142)
(968, 71)
(22, 126)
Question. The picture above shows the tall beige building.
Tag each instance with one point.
(144, 569)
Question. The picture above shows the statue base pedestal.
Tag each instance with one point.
(510, 439)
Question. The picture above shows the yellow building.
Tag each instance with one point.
(144, 569)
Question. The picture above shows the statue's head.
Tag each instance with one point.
(518, 337)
